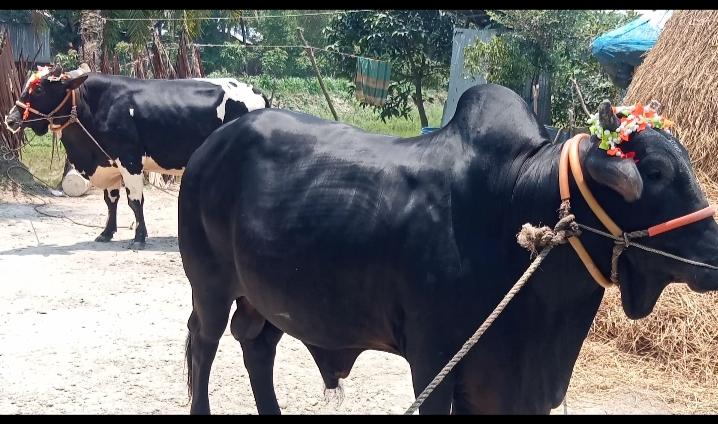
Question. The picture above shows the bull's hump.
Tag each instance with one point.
(237, 91)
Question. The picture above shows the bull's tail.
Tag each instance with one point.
(188, 358)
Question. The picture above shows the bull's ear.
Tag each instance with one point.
(619, 174)
(606, 117)
(73, 83)
(56, 71)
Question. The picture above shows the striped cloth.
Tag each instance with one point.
(372, 81)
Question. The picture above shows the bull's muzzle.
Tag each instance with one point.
(13, 120)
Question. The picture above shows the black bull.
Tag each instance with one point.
(352, 241)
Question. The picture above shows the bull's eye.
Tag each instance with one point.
(654, 174)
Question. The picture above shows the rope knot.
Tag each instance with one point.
(535, 239)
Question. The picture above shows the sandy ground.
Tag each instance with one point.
(93, 328)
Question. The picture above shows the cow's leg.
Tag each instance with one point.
(258, 338)
(111, 198)
(206, 325)
(134, 182)
(426, 359)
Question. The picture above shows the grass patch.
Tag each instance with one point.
(38, 158)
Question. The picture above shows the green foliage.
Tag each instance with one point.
(275, 61)
(557, 41)
(64, 30)
(416, 42)
(68, 60)
(134, 29)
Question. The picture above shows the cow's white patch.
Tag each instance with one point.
(133, 182)
(132, 112)
(113, 199)
(110, 178)
(236, 91)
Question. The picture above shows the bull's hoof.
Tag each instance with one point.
(136, 245)
(104, 238)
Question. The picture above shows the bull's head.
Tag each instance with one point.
(656, 183)
(44, 91)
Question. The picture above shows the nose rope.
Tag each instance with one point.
(624, 241)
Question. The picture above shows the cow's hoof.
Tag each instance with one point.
(104, 238)
(136, 245)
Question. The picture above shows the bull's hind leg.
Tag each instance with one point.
(111, 197)
(258, 338)
(210, 313)
(134, 182)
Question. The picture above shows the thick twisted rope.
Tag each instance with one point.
(531, 238)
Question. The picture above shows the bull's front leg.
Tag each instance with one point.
(111, 198)
(134, 181)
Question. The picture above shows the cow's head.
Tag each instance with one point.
(44, 91)
(654, 182)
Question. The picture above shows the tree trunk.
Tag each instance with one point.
(526, 92)
(419, 102)
(544, 98)
(91, 29)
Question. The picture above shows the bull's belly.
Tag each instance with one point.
(107, 177)
(150, 165)
(331, 312)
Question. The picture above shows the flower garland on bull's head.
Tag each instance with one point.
(632, 119)
(36, 79)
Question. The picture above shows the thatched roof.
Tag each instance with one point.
(681, 72)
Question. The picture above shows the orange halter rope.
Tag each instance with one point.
(570, 159)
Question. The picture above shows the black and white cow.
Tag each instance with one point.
(152, 125)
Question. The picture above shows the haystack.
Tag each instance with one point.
(678, 341)
(681, 72)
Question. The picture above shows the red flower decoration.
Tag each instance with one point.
(638, 110)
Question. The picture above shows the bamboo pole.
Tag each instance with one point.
(316, 70)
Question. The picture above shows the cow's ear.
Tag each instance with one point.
(73, 83)
(619, 174)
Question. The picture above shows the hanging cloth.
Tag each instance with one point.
(372, 81)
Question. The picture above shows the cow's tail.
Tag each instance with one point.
(188, 358)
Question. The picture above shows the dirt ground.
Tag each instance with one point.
(93, 328)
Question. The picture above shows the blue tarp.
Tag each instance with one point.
(621, 50)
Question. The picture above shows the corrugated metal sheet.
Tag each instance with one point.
(25, 40)
(463, 37)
